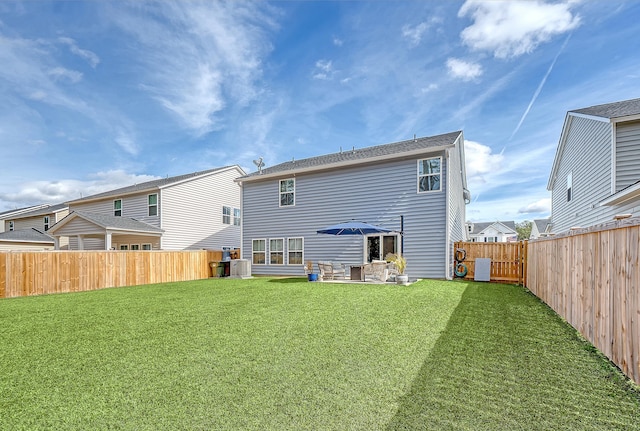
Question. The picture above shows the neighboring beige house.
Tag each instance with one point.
(540, 228)
(38, 219)
(25, 240)
(497, 231)
(7, 216)
(200, 210)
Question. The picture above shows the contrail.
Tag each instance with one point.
(535, 95)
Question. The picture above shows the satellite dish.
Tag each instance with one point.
(259, 163)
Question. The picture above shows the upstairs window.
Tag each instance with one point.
(11, 226)
(46, 223)
(152, 201)
(569, 186)
(287, 192)
(236, 217)
(429, 175)
(226, 215)
(117, 207)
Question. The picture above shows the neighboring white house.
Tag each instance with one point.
(416, 188)
(540, 228)
(200, 210)
(596, 171)
(497, 231)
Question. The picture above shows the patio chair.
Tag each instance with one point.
(377, 270)
(331, 270)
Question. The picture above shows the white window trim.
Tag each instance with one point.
(46, 220)
(429, 175)
(263, 251)
(227, 218)
(145, 245)
(278, 251)
(280, 193)
(237, 221)
(295, 250)
(569, 193)
(11, 225)
(123, 247)
(134, 245)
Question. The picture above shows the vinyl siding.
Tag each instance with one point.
(375, 193)
(627, 154)
(587, 155)
(24, 246)
(37, 222)
(192, 212)
(133, 206)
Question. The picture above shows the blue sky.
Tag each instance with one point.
(99, 95)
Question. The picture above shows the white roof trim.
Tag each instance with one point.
(629, 193)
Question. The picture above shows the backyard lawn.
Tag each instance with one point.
(286, 354)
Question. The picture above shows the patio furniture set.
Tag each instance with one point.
(378, 271)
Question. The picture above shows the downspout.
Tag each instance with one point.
(447, 261)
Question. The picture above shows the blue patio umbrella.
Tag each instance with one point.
(353, 228)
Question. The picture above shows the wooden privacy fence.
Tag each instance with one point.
(508, 259)
(592, 279)
(43, 272)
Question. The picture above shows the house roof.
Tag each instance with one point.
(152, 185)
(17, 211)
(109, 222)
(47, 209)
(476, 228)
(542, 224)
(26, 235)
(359, 155)
(623, 108)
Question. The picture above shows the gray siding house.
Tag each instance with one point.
(416, 186)
(200, 210)
(38, 219)
(596, 170)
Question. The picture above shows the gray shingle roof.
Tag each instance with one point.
(542, 224)
(480, 226)
(48, 209)
(26, 235)
(612, 110)
(109, 221)
(361, 154)
(148, 185)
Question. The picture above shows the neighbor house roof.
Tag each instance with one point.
(358, 155)
(110, 222)
(476, 228)
(26, 235)
(47, 209)
(152, 185)
(620, 109)
(17, 211)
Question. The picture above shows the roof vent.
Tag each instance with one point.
(259, 163)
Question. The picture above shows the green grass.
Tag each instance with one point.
(285, 354)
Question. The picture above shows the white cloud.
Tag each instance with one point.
(463, 70)
(414, 34)
(510, 28)
(337, 41)
(91, 57)
(59, 73)
(37, 192)
(324, 69)
(541, 206)
(480, 162)
(199, 58)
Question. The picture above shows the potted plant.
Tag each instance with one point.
(401, 264)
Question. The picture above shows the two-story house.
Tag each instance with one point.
(497, 231)
(200, 210)
(7, 216)
(31, 227)
(416, 188)
(540, 228)
(596, 171)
